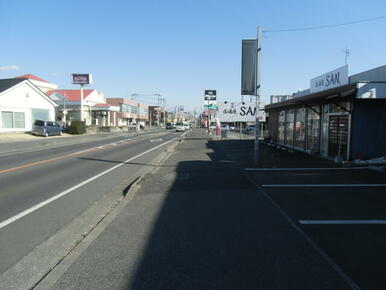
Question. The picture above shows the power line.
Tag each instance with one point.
(325, 26)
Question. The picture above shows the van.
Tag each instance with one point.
(46, 128)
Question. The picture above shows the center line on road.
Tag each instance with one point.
(342, 222)
(55, 197)
(327, 185)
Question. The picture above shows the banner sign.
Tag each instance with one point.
(332, 79)
(249, 67)
(240, 112)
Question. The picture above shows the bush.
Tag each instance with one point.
(77, 127)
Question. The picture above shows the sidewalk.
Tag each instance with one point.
(198, 223)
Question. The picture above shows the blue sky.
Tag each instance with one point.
(180, 48)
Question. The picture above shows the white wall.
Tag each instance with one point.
(23, 98)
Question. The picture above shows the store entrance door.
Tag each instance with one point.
(338, 136)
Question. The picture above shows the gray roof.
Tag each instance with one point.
(5, 84)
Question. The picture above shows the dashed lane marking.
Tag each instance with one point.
(55, 197)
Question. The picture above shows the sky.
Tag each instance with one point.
(180, 48)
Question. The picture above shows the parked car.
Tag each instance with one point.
(46, 128)
(213, 126)
(225, 127)
(250, 128)
(169, 126)
(180, 127)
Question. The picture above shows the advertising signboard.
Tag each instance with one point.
(81, 79)
(240, 112)
(210, 93)
(332, 79)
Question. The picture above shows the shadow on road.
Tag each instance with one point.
(216, 231)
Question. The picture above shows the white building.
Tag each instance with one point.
(21, 103)
(39, 82)
(69, 102)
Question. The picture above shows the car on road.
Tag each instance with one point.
(187, 126)
(180, 127)
(46, 128)
(169, 126)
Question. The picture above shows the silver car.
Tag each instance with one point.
(46, 128)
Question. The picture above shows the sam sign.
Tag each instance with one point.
(332, 79)
(82, 79)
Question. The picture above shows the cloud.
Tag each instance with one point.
(9, 67)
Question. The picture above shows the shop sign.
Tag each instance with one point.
(82, 79)
(332, 79)
(239, 112)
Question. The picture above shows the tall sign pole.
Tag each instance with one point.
(81, 102)
(81, 79)
(257, 93)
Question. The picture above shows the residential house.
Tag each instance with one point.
(41, 84)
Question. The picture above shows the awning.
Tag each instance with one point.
(335, 93)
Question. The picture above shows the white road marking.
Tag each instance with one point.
(51, 199)
(342, 222)
(326, 185)
(303, 169)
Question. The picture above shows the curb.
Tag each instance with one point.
(128, 193)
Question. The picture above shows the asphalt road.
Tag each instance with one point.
(31, 177)
(198, 223)
(342, 211)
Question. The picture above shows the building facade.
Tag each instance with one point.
(21, 103)
(130, 112)
(344, 122)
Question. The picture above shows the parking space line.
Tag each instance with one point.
(327, 185)
(342, 222)
(304, 169)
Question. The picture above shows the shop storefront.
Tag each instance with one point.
(347, 121)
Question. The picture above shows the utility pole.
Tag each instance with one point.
(164, 105)
(346, 52)
(158, 99)
(257, 94)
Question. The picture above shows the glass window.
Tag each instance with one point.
(7, 119)
(289, 136)
(342, 108)
(313, 130)
(281, 128)
(300, 128)
(19, 120)
(324, 141)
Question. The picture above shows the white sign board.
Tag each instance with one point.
(239, 112)
(332, 79)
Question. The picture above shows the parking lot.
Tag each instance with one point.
(342, 210)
